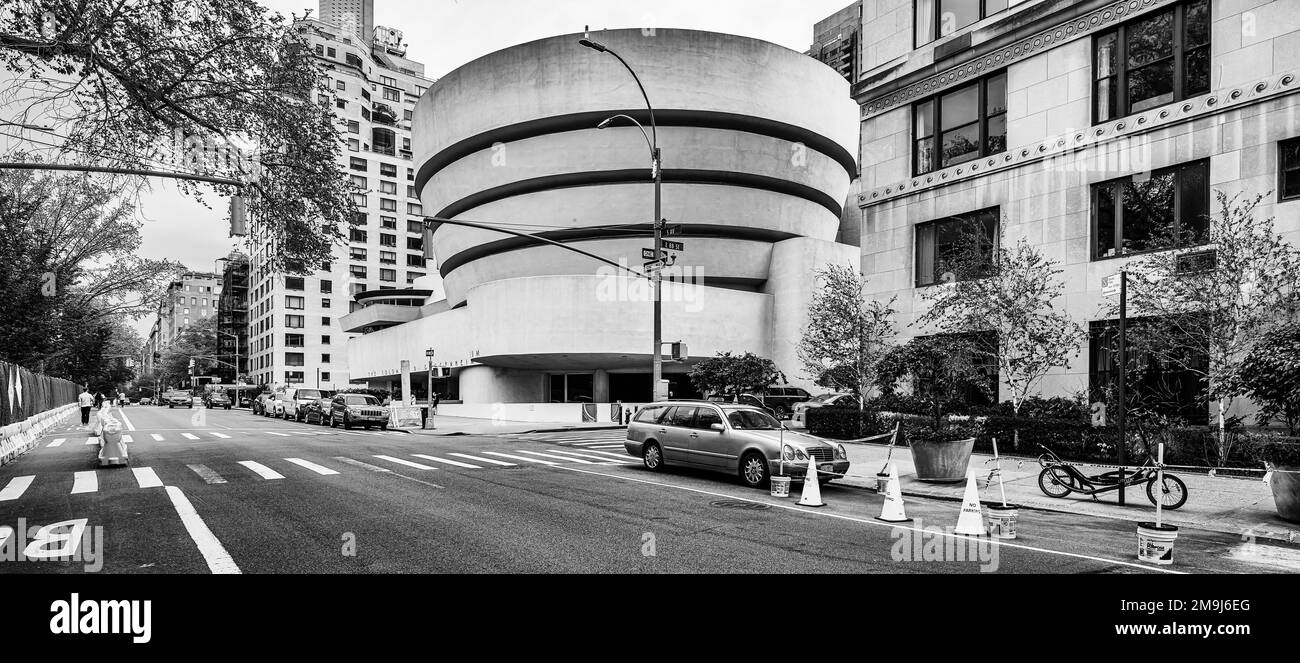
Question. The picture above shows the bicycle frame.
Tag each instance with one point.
(1099, 483)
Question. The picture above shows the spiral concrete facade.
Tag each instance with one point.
(758, 146)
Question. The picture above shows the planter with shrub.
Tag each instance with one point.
(1282, 456)
(941, 455)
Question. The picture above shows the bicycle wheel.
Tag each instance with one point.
(1174, 493)
(1054, 482)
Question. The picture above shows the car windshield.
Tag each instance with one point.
(307, 393)
(752, 420)
(360, 400)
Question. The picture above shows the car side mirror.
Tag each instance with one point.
(716, 426)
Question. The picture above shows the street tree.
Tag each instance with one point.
(1204, 310)
(847, 335)
(939, 370)
(216, 87)
(1011, 293)
(1271, 373)
(729, 374)
(197, 342)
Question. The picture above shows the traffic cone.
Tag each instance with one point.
(892, 511)
(971, 520)
(812, 492)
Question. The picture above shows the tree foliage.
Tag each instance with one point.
(936, 369)
(217, 87)
(846, 336)
(1271, 372)
(195, 341)
(734, 374)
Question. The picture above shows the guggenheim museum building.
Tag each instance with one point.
(759, 148)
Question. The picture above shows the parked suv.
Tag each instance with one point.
(357, 410)
(731, 438)
(293, 403)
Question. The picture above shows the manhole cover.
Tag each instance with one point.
(740, 504)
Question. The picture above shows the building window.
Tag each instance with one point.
(295, 303)
(358, 271)
(320, 50)
(415, 243)
(340, 103)
(356, 235)
(330, 52)
(936, 19)
(1155, 60)
(1170, 209)
(325, 375)
(967, 123)
(1151, 384)
(354, 145)
(293, 283)
(388, 257)
(388, 204)
(357, 163)
(944, 247)
(387, 239)
(294, 340)
(387, 170)
(325, 358)
(415, 209)
(340, 85)
(354, 127)
(326, 286)
(325, 340)
(388, 187)
(392, 95)
(356, 288)
(357, 253)
(1288, 169)
(389, 275)
(325, 320)
(389, 222)
(294, 359)
(413, 260)
(359, 182)
(415, 227)
(407, 115)
(295, 321)
(388, 80)
(410, 190)
(293, 377)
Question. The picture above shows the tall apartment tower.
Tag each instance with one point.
(294, 335)
(232, 318)
(354, 17)
(190, 298)
(837, 41)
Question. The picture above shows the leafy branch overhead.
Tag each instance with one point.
(117, 83)
(846, 335)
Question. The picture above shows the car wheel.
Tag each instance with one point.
(169, 406)
(331, 423)
(753, 469)
(652, 456)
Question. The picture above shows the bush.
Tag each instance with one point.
(1279, 450)
(845, 423)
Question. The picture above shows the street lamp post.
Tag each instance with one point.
(428, 421)
(656, 166)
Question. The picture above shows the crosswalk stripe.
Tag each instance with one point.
(189, 436)
(483, 460)
(146, 477)
(57, 443)
(318, 469)
(592, 444)
(92, 440)
(407, 463)
(526, 460)
(222, 436)
(604, 459)
(85, 482)
(156, 437)
(449, 462)
(608, 446)
(206, 473)
(261, 470)
(277, 434)
(623, 456)
(357, 463)
(15, 488)
(567, 458)
(128, 439)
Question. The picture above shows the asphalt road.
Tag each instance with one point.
(227, 491)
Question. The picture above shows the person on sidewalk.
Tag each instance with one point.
(85, 400)
(99, 400)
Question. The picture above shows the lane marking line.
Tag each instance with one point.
(526, 460)
(128, 439)
(219, 561)
(874, 523)
(156, 437)
(447, 461)
(222, 436)
(277, 434)
(85, 482)
(206, 473)
(261, 470)
(407, 463)
(146, 477)
(357, 463)
(564, 458)
(189, 436)
(16, 487)
(57, 443)
(92, 440)
(318, 469)
(129, 426)
(484, 460)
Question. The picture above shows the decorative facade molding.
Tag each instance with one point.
(1094, 21)
(1132, 125)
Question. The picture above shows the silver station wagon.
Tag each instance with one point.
(728, 437)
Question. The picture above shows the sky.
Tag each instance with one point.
(445, 34)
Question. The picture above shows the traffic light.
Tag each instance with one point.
(191, 367)
(238, 216)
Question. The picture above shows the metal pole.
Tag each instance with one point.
(428, 421)
(658, 366)
(1123, 366)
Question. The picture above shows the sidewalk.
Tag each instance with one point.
(448, 425)
(1230, 505)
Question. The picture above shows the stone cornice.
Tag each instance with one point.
(1132, 125)
(1099, 19)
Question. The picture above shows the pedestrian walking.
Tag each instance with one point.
(99, 400)
(85, 400)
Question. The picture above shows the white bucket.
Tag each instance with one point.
(1000, 521)
(1156, 544)
(780, 486)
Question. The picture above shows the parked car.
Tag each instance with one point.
(262, 402)
(783, 399)
(317, 411)
(217, 399)
(751, 400)
(800, 415)
(728, 437)
(294, 400)
(178, 399)
(357, 410)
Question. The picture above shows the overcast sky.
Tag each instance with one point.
(444, 34)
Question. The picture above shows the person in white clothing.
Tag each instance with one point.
(86, 401)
